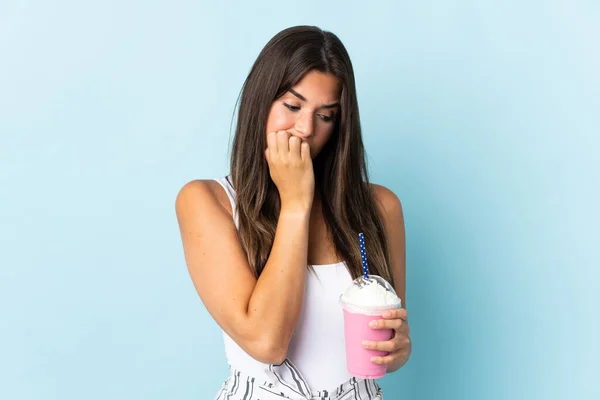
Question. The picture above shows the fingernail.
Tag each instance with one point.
(373, 359)
(372, 324)
(386, 314)
(365, 344)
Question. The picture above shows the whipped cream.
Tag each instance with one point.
(372, 294)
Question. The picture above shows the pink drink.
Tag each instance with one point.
(358, 358)
(361, 307)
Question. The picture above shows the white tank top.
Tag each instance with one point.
(317, 346)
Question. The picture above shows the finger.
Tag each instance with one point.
(387, 345)
(272, 142)
(305, 151)
(389, 359)
(387, 324)
(400, 313)
(295, 143)
(283, 139)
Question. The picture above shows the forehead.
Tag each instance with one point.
(319, 87)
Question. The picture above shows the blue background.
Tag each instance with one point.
(482, 116)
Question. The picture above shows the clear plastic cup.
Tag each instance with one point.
(360, 308)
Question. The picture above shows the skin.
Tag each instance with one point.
(260, 314)
(306, 115)
(308, 111)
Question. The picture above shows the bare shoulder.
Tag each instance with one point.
(389, 204)
(393, 220)
(202, 195)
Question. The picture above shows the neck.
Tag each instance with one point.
(316, 206)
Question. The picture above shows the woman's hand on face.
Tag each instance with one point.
(399, 347)
(291, 169)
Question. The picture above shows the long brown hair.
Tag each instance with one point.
(348, 201)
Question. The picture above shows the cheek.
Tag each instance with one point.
(324, 133)
(279, 120)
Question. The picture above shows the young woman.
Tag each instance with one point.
(271, 247)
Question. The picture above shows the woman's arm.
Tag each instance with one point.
(259, 315)
(393, 220)
(390, 209)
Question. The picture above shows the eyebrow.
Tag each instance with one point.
(298, 95)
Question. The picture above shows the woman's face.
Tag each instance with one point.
(308, 110)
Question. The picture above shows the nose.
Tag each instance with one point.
(305, 125)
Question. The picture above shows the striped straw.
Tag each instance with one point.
(363, 253)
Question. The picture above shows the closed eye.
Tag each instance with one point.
(326, 118)
(291, 107)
